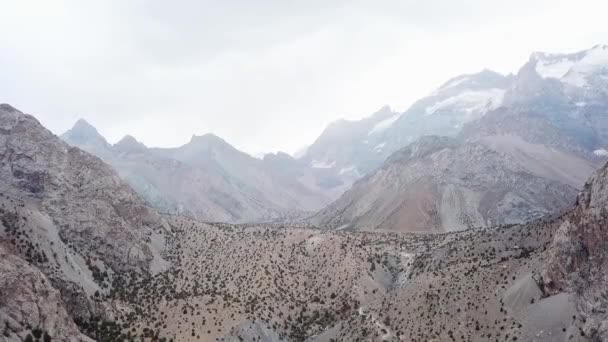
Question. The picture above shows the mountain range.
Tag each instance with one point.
(209, 179)
(517, 152)
(537, 130)
(85, 258)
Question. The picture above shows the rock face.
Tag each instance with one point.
(29, 305)
(69, 215)
(442, 184)
(578, 260)
(208, 179)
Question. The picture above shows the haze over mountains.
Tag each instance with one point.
(211, 180)
(540, 131)
(530, 132)
(479, 214)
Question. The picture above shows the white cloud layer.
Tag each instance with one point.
(264, 75)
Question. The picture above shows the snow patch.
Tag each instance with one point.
(601, 152)
(322, 164)
(470, 102)
(383, 125)
(558, 69)
(347, 170)
(378, 148)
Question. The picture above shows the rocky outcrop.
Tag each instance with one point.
(578, 260)
(69, 215)
(30, 305)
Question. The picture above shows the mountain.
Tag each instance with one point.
(572, 88)
(352, 149)
(70, 228)
(448, 109)
(556, 112)
(345, 150)
(442, 184)
(81, 254)
(209, 179)
(544, 134)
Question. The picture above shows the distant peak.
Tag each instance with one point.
(82, 123)
(209, 140)
(277, 155)
(128, 139)
(128, 142)
(486, 78)
(207, 137)
(386, 108)
(82, 126)
(83, 133)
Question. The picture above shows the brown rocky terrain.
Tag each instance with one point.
(440, 184)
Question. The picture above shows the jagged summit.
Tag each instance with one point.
(83, 133)
(6, 107)
(129, 143)
(207, 139)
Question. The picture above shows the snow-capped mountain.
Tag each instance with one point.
(568, 90)
(351, 149)
(580, 70)
(537, 129)
(346, 150)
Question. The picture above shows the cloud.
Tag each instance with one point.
(265, 75)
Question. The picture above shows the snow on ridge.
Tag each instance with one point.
(350, 169)
(601, 152)
(322, 164)
(383, 125)
(594, 59)
(470, 102)
(557, 69)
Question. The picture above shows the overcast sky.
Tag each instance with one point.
(264, 75)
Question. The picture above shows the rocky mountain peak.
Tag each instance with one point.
(128, 144)
(207, 141)
(83, 133)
